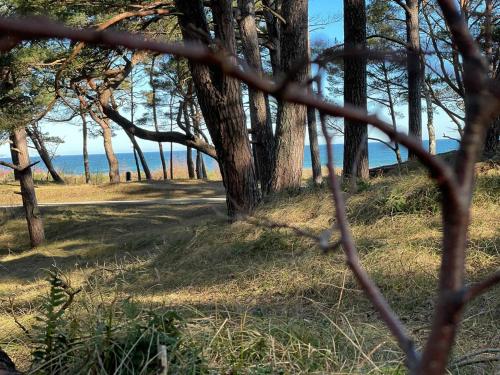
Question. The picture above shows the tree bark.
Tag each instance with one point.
(414, 72)
(220, 101)
(355, 133)
(260, 118)
(155, 118)
(291, 119)
(39, 144)
(30, 204)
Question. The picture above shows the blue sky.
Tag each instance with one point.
(326, 24)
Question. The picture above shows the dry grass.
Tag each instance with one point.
(54, 193)
(258, 300)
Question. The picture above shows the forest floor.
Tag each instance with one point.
(252, 299)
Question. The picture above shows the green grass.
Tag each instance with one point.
(255, 300)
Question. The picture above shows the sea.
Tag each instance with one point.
(378, 153)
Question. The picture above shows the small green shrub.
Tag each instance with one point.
(118, 338)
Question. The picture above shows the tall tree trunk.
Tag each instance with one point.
(492, 143)
(190, 164)
(155, 118)
(414, 72)
(430, 120)
(39, 144)
(31, 210)
(189, 129)
(273, 25)
(14, 155)
(260, 116)
(291, 121)
(141, 156)
(355, 133)
(220, 100)
(312, 128)
(86, 165)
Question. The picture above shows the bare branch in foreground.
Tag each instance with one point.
(481, 287)
(371, 290)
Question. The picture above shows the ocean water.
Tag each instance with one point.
(379, 155)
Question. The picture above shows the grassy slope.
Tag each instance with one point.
(261, 300)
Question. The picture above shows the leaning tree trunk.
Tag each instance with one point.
(220, 101)
(291, 121)
(142, 158)
(39, 144)
(137, 166)
(355, 133)
(31, 210)
(414, 72)
(260, 118)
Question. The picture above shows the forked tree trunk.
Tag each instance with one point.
(260, 118)
(291, 121)
(414, 72)
(114, 170)
(220, 101)
(355, 133)
(31, 210)
(39, 144)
